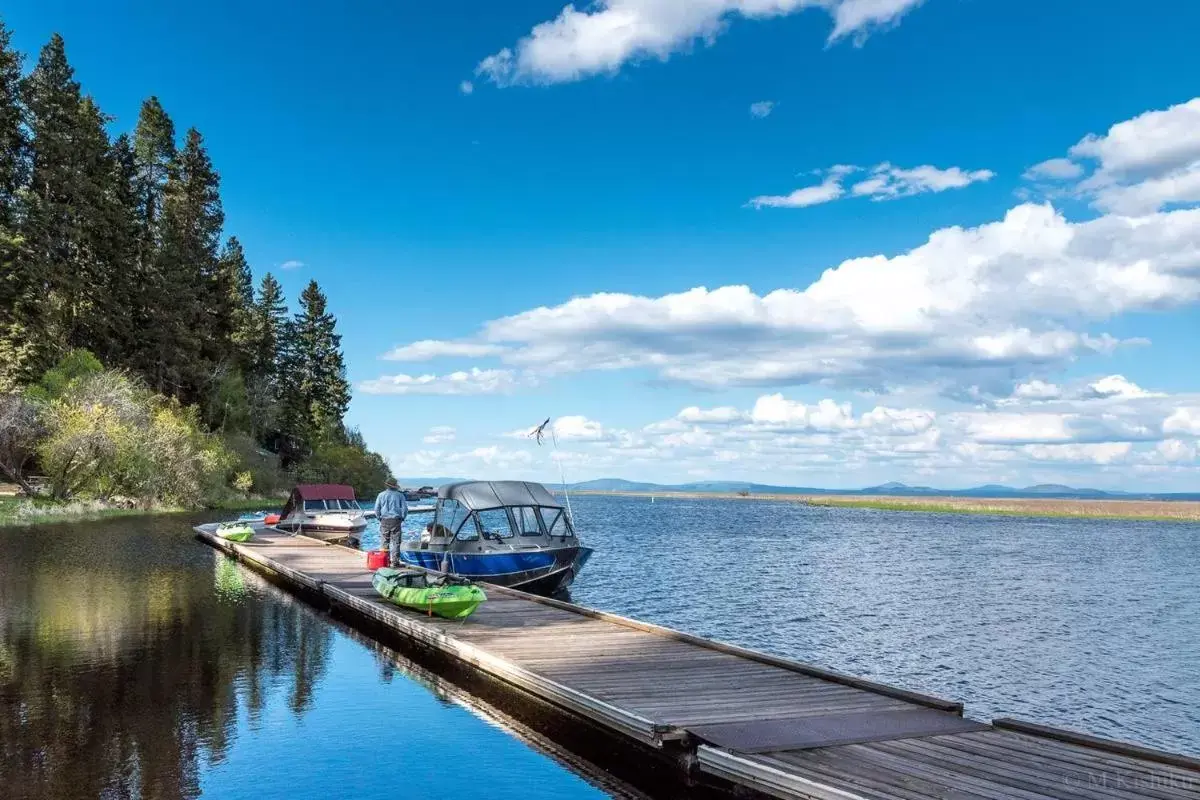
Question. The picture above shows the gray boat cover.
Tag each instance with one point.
(479, 495)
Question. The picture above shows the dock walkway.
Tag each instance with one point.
(779, 727)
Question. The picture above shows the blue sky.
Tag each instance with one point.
(613, 157)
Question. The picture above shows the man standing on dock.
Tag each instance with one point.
(390, 509)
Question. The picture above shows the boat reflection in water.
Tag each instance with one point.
(510, 533)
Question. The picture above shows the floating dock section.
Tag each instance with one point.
(735, 718)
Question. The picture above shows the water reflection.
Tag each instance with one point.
(138, 663)
(116, 674)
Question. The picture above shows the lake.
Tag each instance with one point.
(137, 663)
(1089, 624)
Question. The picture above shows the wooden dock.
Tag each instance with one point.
(733, 717)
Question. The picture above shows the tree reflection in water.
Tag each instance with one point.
(126, 657)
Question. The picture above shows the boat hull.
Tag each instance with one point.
(542, 571)
(325, 529)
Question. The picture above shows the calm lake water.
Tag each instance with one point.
(137, 663)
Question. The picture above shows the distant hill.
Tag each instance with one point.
(1049, 490)
(1046, 490)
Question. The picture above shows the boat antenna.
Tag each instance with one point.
(539, 434)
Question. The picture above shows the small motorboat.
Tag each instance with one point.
(239, 531)
(511, 533)
(325, 511)
(440, 595)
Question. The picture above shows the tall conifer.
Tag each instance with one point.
(51, 237)
(236, 287)
(190, 344)
(315, 391)
(18, 293)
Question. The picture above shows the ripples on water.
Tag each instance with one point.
(137, 663)
(1087, 624)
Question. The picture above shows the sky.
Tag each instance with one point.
(802, 242)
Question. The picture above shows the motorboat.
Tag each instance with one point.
(510, 533)
(325, 511)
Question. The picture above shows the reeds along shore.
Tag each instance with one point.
(1153, 510)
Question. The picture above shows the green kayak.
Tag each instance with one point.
(432, 595)
(235, 531)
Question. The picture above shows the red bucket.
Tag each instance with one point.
(376, 559)
(271, 519)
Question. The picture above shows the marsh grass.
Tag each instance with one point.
(1147, 510)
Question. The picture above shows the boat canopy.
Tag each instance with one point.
(324, 491)
(317, 492)
(482, 495)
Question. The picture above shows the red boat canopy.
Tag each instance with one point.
(316, 491)
(324, 491)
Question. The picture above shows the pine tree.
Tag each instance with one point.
(102, 246)
(268, 323)
(191, 348)
(236, 287)
(154, 152)
(126, 284)
(315, 393)
(152, 312)
(50, 250)
(13, 145)
(18, 295)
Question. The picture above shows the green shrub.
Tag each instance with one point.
(108, 436)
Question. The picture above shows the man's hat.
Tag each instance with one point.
(391, 483)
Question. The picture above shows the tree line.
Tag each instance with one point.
(115, 247)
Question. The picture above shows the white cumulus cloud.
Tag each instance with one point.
(603, 36)
(1140, 165)
(429, 349)
(440, 434)
(826, 191)
(1116, 386)
(971, 307)
(762, 108)
(1037, 390)
(888, 182)
(722, 415)
(1055, 169)
(1183, 421)
(464, 382)
(883, 182)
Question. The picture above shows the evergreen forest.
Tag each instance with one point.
(138, 359)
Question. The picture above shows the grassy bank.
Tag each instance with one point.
(16, 511)
(1148, 510)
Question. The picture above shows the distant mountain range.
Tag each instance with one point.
(1048, 490)
(1052, 490)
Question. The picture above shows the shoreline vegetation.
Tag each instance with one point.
(139, 367)
(1133, 510)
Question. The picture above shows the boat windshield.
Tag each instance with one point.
(451, 516)
(331, 505)
(556, 521)
(527, 520)
(494, 523)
